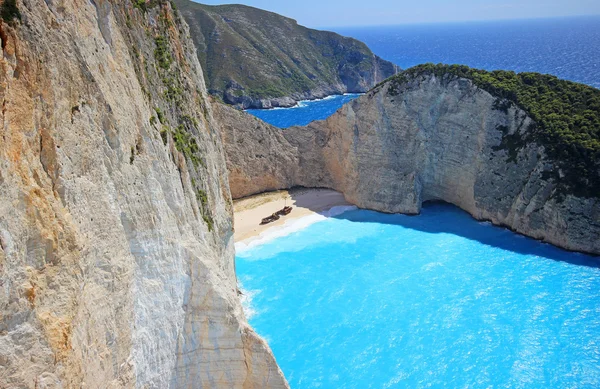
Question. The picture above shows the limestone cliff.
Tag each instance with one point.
(431, 137)
(259, 157)
(116, 252)
(258, 59)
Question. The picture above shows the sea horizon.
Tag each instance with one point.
(558, 46)
(564, 47)
(455, 22)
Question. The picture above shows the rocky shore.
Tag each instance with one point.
(258, 59)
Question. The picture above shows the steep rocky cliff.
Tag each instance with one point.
(258, 59)
(427, 136)
(259, 157)
(116, 252)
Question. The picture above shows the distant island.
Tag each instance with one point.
(258, 59)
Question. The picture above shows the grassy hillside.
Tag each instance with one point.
(249, 54)
(567, 117)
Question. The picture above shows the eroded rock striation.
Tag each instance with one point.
(116, 252)
(433, 136)
(258, 59)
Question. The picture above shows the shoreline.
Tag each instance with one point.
(300, 102)
(309, 206)
(313, 205)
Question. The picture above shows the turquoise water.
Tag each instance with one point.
(370, 300)
(304, 113)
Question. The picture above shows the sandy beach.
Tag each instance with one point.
(249, 211)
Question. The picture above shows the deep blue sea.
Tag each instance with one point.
(370, 300)
(568, 48)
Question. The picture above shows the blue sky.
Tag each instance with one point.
(334, 13)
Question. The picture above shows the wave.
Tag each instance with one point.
(330, 97)
(306, 103)
(246, 300)
(290, 227)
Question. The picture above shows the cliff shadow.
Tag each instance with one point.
(316, 199)
(444, 218)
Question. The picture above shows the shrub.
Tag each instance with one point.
(162, 53)
(9, 11)
(187, 145)
(209, 222)
(141, 5)
(164, 134)
(202, 197)
(161, 116)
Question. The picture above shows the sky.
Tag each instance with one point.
(341, 13)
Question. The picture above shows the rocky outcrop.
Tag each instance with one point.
(258, 59)
(116, 251)
(434, 137)
(259, 158)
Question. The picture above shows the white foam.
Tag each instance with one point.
(246, 300)
(290, 227)
(301, 104)
(304, 103)
(317, 100)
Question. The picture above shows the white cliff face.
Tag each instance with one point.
(443, 139)
(116, 252)
(433, 139)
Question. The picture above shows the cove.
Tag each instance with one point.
(305, 112)
(370, 300)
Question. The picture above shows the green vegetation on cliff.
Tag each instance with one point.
(249, 54)
(567, 117)
(163, 71)
(9, 11)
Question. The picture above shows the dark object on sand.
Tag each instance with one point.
(276, 215)
(270, 219)
(284, 211)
